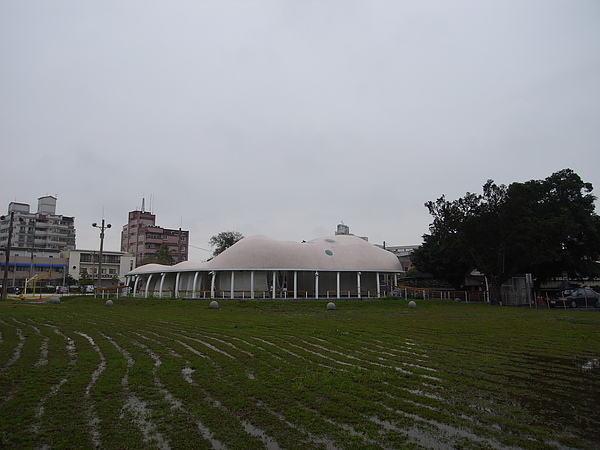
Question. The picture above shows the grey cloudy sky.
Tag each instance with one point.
(285, 117)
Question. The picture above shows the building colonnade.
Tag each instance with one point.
(291, 284)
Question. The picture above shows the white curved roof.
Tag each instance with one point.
(334, 253)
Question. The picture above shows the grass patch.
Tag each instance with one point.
(292, 374)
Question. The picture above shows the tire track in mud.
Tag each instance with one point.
(295, 355)
(468, 429)
(186, 374)
(331, 351)
(92, 417)
(135, 407)
(514, 372)
(40, 409)
(219, 340)
(312, 438)
(16, 355)
(431, 433)
(336, 355)
(387, 357)
(248, 427)
(176, 404)
(330, 354)
(43, 358)
(320, 355)
(362, 363)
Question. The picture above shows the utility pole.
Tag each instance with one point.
(102, 228)
(10, 232)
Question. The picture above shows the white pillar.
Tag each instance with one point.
(195, 284)
(212, 285)
(148, 285)
(378, 286)
(177, 284)
(162, 281)
(358, 284)
(316, 284)
(232, 295)
(135, 284)
(274, 287)
(295, 284)
(338, 284)
(252, 284)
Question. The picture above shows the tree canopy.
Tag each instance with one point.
(544, 227)
(224, 240)
(164, 255)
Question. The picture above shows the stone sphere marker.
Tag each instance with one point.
(109, 303)
(412, 304)
(214, 305)
(330, 306)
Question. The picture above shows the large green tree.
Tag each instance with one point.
(544, 227)
(224, 240)
(164, 255)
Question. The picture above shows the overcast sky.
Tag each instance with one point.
(286, 117)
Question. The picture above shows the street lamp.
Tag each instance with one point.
(102, 228)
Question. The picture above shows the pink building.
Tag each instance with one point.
(142, 238)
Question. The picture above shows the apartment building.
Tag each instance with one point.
(142, 238)
(41, 234)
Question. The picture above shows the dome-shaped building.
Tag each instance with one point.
(339, 266)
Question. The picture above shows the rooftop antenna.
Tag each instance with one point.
(143, 204)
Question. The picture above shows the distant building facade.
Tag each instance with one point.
(142, 238)
(45, 270)
(344, 230)
(403, 253)
(42, 233)
(83, 264)
(78, 264)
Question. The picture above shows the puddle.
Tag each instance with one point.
(421, 393)
(441, 435)
(329, 445)
(352, 431)
(43, 360)
(137, 408)
(186, 373)
(414, 434)
(270, 444)
(590, 364)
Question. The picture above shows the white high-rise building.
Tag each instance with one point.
(41, 234)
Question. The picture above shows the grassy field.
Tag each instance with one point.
(149, 373)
